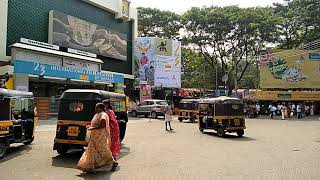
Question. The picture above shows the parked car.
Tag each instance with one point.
(152, 107)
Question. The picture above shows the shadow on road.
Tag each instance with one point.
(71, 159)
(124, 151)
(68, 160)
(15, 151)
(232, 137)
(103, 174)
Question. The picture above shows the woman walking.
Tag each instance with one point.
(114, 130)
(97, 153)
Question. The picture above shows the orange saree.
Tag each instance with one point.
(98, 153)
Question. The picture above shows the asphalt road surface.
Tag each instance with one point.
(270, 149)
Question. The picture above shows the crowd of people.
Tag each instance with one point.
(284, 110)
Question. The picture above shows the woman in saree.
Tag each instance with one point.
(114, 130)
(98, 154)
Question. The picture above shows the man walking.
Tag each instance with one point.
(299, 111)
(258, 108)
(168, 117)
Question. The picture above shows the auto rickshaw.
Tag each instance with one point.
(76, 110)
(188, 109)
(222, 114)
(18, 118)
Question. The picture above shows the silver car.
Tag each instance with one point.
(152, 107)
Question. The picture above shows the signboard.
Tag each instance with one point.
(289, 69)
(71, 32)
(158, 61)
(83, 53)
(283, 96)
(80, 64)
(125, 7)
(65, 72)
(39, 44)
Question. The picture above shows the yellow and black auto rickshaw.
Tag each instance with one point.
(222, 114)
(18, 118)
(77, 108)
(188, 109)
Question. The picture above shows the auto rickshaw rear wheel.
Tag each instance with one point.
(240, 132)
(201, 129)
(3, 150)
(180, 119)
(62, 149)
(221, 132)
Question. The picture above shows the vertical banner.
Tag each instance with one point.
(158, 62)
(144, 53)
(145, 92)
(168, 68)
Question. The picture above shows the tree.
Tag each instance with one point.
(300, 22)
(156, 23)
(229, 37)
(195, 72)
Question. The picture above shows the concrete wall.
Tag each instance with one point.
(3, 29)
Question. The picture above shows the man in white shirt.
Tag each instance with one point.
(299, 111)
(258, 108)
(293, 109)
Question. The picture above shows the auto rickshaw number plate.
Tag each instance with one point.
(73, 131)
(237, 122)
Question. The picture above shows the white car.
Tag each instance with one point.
(152, 107)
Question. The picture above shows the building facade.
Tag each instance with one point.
(50, 46)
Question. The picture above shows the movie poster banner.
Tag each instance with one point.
(158, 62)
(72, 32)
(145, 92)
(144, 54)
(289, 69)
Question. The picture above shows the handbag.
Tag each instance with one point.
(88, 133)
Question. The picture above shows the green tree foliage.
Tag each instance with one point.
(229, 38)
(157, 23)
(299, 22)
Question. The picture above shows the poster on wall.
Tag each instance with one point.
(145, 92)
(72, 32)
(289, 69)
(144, 53)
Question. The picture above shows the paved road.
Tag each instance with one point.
(271, 149)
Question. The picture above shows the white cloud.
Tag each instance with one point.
(180, 6)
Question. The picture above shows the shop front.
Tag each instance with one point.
(288, 98)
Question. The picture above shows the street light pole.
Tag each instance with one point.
(236, 76)
(216, 79)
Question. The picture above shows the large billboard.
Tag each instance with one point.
(288, 69)
(158, 62)
(71, 32)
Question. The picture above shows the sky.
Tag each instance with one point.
(180, 6)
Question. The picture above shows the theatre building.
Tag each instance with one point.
(49, 46)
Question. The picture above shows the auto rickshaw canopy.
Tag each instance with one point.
(221, 100)
(89, 94)
(6, 93)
